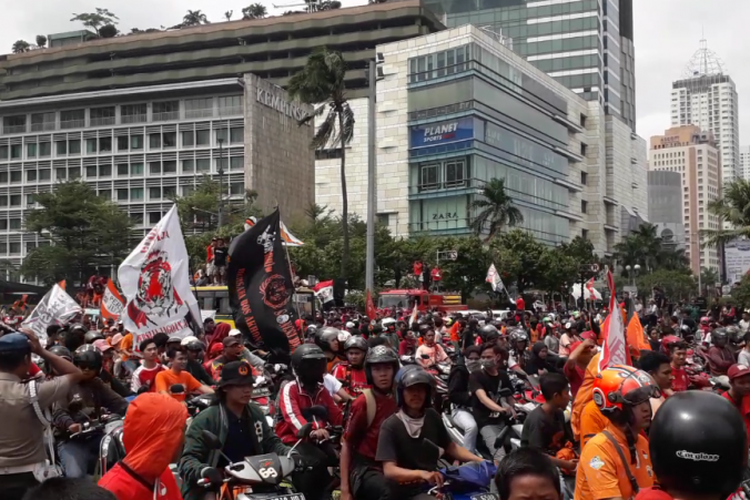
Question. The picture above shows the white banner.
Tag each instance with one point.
(155, 281)
(56, 307)
(493, 278)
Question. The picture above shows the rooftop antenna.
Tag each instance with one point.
(498, 35)
(704, 62)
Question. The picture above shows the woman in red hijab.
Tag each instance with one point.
(212, 353)
(220, 333)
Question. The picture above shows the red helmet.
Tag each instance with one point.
(621, 385)
(668, 341)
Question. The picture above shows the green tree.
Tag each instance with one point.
(677, 285)
(521, 257)
(254, 11)
(41, 41)
(108, 31)
(85, 232)
(467, 273)
(496, 210)
(228, 15)
(321, 83)
(20, 46)
(734, 208)
(96, 20)
(561, 271)
(741, 292)
(194, 18)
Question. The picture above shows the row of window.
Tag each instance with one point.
(561, 45)
(568, 63)
(156, 141)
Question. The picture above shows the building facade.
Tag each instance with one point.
(707, 98)
(695, 156)
(142, 147)
(745, 162)
(587, 45)
(665, 207)
(456, 109)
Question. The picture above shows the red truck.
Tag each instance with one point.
(424, 300)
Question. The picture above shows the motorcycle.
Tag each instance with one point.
(111, 447)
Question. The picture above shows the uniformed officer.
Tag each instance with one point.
(22, 447)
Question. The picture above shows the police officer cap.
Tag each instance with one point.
(14, 343)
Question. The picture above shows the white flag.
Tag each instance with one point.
(155, 281)
(493, 278)
(56, 307)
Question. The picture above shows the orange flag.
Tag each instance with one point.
(370, 307)
(112, 302)
(635, 334)
(62, 284)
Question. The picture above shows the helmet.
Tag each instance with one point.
(312, 330)
(193, 345)
(414, 376)
(734, 334)
(344, 335)
(88, 356)
(668, 341)
(61, 351)
(386, 322)
(621, 386)
(78, 328)
(356, 342)
(698, 443)
(719, 333)
(306, 352)
(448, 321)
(92, 336)
(324, 337)
(519, 335)
(488, 330)
(380, 355)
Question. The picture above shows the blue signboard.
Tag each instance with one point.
(442, 133)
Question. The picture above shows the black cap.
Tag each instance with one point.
(236, 373)
(231, 341)
(15, 343)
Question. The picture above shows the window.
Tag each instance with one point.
(122, 143)
(221, 136)
(230, 105)
(15, 224)
(154, 141)
(30, 200)
(15, 248)
(3, 200)
(134, 113)
(202, 137)
(237, 135)
(154, 168)
(122, 169)
(31, 150)
(122, 194)
(584, 148)
(237, 163)
(170, 139)
(237, 188)
(15, 200)
(105, 194)
(74, 172)
(3, 177)
(4, 227)
(136, 169)
(61, 148)
(61, 174)
(169, 193)
(105, 170)
(154, 193)
(584, 178)
(154, 217)
(199, 108)
(3, 152)
(429, 177)
(384, 219)
(105, 144)
(167, 110)
(43, 122)
(136, 142)
(582, 121)
(102, 116)
(188, 138)
(14, 124)
(45, 149)
(45, 174)
(30, 175)
(584, 232)
(584, 206)
(91, 172)
(169, 167)
(15, 151)
(90, 146)
(455, 173)
(74, 118)
(136, 194)
(203, 165)
(74, 147)
(188, 166)
(16, 176)
(137, 219)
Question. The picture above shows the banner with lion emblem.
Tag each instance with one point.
(155, 283)
(261, 289)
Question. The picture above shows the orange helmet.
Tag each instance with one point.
(621, 385)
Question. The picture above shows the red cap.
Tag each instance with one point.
(737, 371)
(589, 334)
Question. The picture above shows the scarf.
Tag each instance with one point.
(413, 425)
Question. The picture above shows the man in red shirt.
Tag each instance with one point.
(361, 476)
(352, 374)
(739, 393)
(575, 367)
(677, 355)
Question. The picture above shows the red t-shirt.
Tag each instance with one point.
(575, 376)
(353, 380)
(742, 406)
(520, 304)
(33, 370)
(654, 493)
(680, 382)
(363, 439)
(126, 487)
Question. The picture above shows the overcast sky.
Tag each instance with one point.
(667, 34)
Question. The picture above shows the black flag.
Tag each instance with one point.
(261, 289)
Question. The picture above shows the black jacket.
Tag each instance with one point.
(458, 385)
(196, 369)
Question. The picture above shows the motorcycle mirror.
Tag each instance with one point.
(211, 440)
(303, 432)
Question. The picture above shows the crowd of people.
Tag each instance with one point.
(387, 404)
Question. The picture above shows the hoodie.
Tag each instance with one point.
(152, 435)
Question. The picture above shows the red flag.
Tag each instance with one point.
(615, 348)
(590, 286)
(62, 284)
(370, 310)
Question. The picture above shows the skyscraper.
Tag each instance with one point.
(587, 45)
(745, 162)
(707, 97)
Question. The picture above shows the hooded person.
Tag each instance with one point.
(220, 333)
(153, 434)
(539, 363)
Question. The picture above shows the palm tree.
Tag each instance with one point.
(194, 18)
(497, 209)
(647, 235)
(20, 46)
(733, 208)
(254, 11)
(321, 84)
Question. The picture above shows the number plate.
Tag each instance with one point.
(484, 496)
(290, 496)
(261, 392)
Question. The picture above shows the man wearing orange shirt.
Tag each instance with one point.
(177, 375)
(616, 463)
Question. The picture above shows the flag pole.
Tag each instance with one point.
(291, 274)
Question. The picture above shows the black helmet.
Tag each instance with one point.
(61, 351)
(312, 330)
(698, 443)
(719, 333)
(195, 345)
(92, 336)
(324, 337)
(488, 330)
(88, 356)
(356, 342)
(411, 377)
(380, 355)
(78, 328)
(306, 352)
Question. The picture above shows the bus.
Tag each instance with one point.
(216, 298)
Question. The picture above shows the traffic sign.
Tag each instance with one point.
(594, 268)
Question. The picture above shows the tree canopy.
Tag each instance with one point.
(495, 210)
(96, 20)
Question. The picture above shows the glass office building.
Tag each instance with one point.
(493, 121)
(587, 45)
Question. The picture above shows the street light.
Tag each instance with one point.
(636, 269)
(221, 181)
(374, 73)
